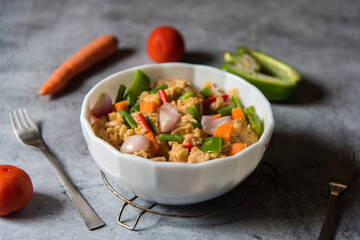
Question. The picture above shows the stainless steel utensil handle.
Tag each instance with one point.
(329, 212)
(89, 216)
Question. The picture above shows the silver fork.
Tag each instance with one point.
(339, 175)
(28, 133)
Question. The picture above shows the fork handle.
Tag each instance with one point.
(325, 230)
(91, 219)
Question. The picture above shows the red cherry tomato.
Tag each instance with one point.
(16, 189)
(165, 44)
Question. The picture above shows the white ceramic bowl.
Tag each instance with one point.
(169, 182)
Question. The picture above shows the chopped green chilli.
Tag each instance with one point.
(193, 112)
(196, 125)
(128, 119)
(236, 101)
(206, 92)
(120, 94)
(135, 108)
(226, 111)
(150, 124)
(170, 137)
(163, 86)
(130, 99)
(186, 95)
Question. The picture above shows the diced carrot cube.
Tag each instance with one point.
(235, 148)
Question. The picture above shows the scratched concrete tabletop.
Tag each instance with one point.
(319, 38)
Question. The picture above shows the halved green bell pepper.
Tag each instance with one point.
(274, 78)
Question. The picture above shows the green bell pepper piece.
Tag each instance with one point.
(255, 122)
(211, 145)
(250, 109)
(141, 82)
(274, 78)
(254, 119)
(193, 112)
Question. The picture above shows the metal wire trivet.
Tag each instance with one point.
(149, 209)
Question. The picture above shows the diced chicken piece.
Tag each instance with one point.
(115, 116)
(200, 133)
(99, 126)
(184, 126)
(178, 153)
(214, 90)
(216, 155)
(113, 136)
(186, 119)
(163, 150)
(113, 132)
(195, 138)
(198, 156)
(191, 101)
(147, 97)
(143, 153)
(219, 103)
(158, 159)
(233, 91)
(125, 132)
(176, 87)
(191, 138)
(243, 133)
(183, 130)
(225, 147)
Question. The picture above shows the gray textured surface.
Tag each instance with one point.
(320, 38)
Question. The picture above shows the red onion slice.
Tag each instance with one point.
(168, 117)
(210, 123)
(102, 106)
(135, 143)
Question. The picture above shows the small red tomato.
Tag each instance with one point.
(16, 189)
(165, 44)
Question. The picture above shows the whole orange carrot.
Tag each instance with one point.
(99, 49)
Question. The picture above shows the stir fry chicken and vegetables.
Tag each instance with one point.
(174, 121)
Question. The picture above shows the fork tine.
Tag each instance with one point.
(18, 123)
(13, 121)
(29, 119)
(23, 119)
(32, 123)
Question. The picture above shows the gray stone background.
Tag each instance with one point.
(320, 38)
